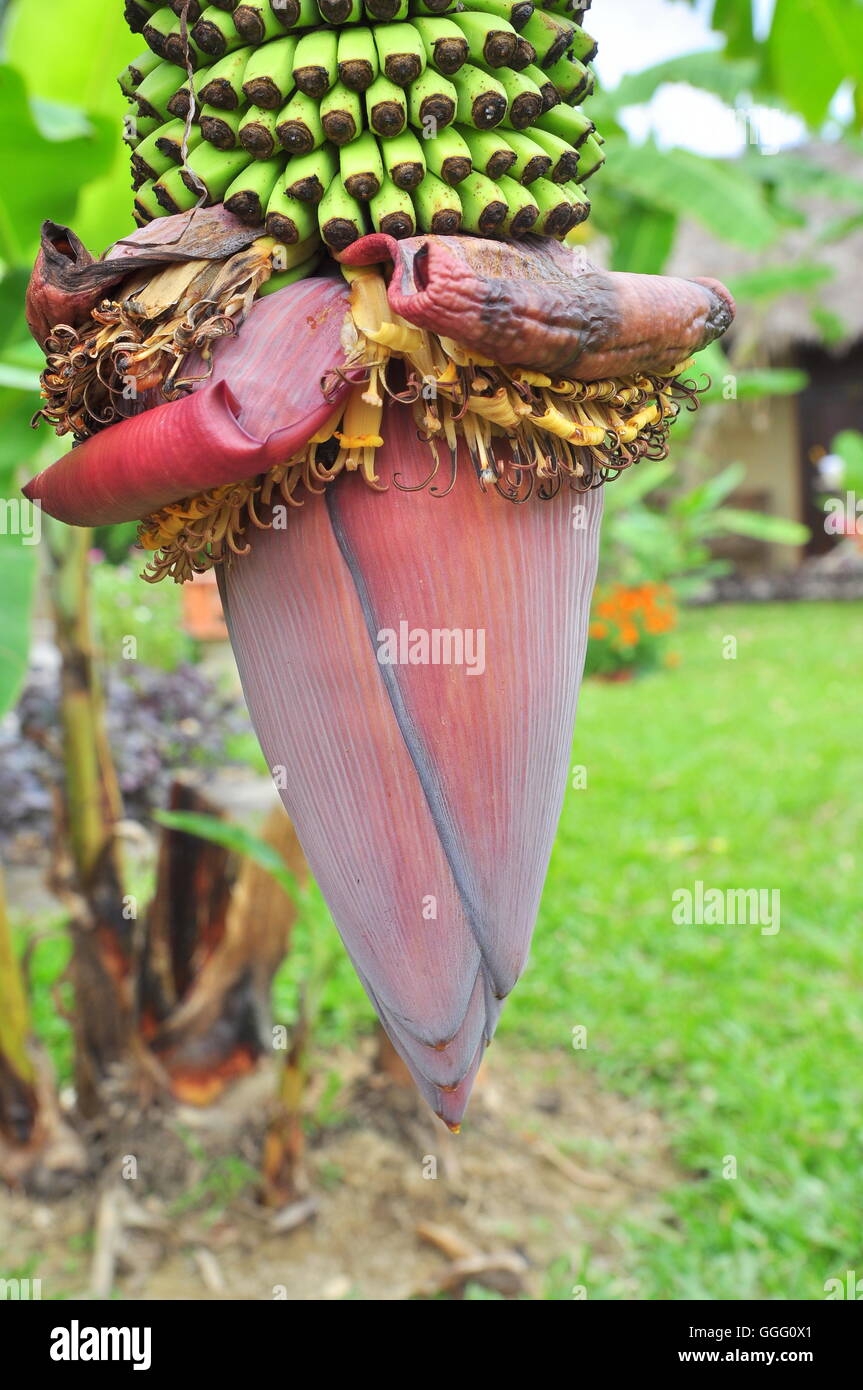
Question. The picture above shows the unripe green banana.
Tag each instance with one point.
(383, 11)
(592, 158)
(282, 278)
(173, 194)
(341, 12)
(315, 62)
(342, 114)
(490, 153)
(308, 176)
(149, 162)
(392, 211)
(401, 53)
(565, 158)
(429, 9)
(224, 84)
(158, 28)
(171, 137)
(212, 171)
(550, 35)
(387, 107)
(299, 125)
(215, 33)
(437, 207)
(548, 91)
(445, 45)
(131, 77)
(268, 79)
(555, 208)
(448, 156)
(257, 132)
(361, 167)
(288, 220)
(221, 128)
(516, 12)
(147, 206)
(491, 41)
(184, 51)
(524, 99)
(482, 206)
(569, 122)
(249, 194)
(295, 14)
(580, 203)
(137, 128)
(522, 208)
(179, 104)
(340, 217)
(288, 257)
(357, 58)
(524, 56)
(584, 46)
(137, 12)
(432, 101)
(531, 160)
(404, 159)
(157, 89)
(255, 21)
(571, 78)
(482, 101)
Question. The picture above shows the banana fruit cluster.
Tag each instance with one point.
(326, 119)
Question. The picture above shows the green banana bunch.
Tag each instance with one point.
(322, 120)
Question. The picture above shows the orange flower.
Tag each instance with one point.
(598, 630)
(628, 635)
(659, 622)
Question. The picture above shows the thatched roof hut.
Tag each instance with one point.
(783, 440)
(830, 315)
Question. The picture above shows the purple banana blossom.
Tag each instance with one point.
(411, 658)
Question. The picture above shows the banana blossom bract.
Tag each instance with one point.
(411, 655)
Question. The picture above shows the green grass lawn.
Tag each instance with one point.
(743, 773)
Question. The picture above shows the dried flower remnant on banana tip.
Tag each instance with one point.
(355, 369)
